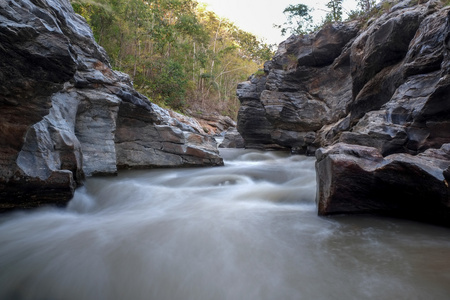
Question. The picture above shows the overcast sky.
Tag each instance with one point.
(258, 16)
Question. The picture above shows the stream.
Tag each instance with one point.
(248, 230)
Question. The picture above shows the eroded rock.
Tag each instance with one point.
(358, 179)
(376, 95)
(383, 75)
(306, 85)
(65, 114)
(212, 123)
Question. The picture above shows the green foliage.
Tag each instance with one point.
(368, 9)
(168, 84)
(167, 47)
(260, 73)
(299, 20)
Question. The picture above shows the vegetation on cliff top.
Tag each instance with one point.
(179, 54)
(300, 21)
(182, 56)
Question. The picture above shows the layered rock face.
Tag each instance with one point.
(65, 114)
(376, 97)
(304, 87)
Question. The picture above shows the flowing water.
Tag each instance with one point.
(247, 231)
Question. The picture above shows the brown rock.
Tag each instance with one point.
(357, 179)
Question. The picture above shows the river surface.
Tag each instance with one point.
(248, 230)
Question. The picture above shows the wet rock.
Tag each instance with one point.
(232, 139)
(378, 92)
(65, 114)
(358, 179)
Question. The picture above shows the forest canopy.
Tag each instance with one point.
(178, 54)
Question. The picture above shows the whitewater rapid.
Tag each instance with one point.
(248, 230)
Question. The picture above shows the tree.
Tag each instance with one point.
(299, 20)
(335, 14)
(177, 53)
(365, 8)
(366, 5)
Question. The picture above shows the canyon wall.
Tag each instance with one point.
(374, 97)
(65, 114)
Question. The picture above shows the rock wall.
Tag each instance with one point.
(375, 97)
(65, 114)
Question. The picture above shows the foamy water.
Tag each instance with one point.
(248, 230)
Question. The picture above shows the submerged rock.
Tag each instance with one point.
(65, 114)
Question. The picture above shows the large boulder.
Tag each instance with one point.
(358, 179)
(65, 114)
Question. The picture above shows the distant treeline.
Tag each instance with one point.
(179, 54)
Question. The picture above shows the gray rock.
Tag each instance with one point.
(232, 139)
(95, 129)
(379, 95)
(252, 123)
(65, 114)
(143, 142)
(307, 85)
(383, 44)
(327, 82)
(211, 123)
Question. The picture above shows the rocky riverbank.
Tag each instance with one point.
(65, 114)
(373, 96)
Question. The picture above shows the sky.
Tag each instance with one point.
(258, 16)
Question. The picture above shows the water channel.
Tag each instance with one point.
(248, 230)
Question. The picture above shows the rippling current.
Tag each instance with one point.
(248, 230)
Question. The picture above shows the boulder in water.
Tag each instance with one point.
(358, 179)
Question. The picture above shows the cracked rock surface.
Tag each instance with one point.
(65, 114)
